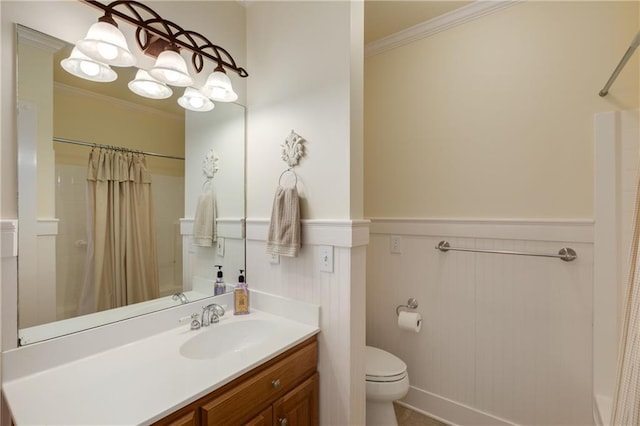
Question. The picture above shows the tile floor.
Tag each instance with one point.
(407, 417)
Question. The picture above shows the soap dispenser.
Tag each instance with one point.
(219, 287)
(241, 296)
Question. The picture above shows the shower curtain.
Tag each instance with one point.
(626, 404)
(121, 266)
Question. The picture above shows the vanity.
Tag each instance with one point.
(257, 369)
(69, 359)
(280, 392)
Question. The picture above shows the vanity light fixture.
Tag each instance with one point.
(83, 66)
(165, 40)
(105, 43)
(171, 68)
(218, 86)
(145, 85)
(194, 100)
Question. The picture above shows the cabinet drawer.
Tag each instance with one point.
(186, 417)
(246, 400)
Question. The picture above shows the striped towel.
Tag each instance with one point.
(204, 223)
(284, 229)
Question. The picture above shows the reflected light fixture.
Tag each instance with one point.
(218, 86)
(85, 67)
(165, 40)
(145, 85)
(194, 100)
(105, 43)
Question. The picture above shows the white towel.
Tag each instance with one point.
(204, 224)
(284, 230)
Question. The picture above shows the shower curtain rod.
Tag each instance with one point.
(634, 45)
(97, 145)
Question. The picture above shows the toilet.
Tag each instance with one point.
(387, 381)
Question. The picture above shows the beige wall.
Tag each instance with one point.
(293, 87)
(494, 118)
(99, 119)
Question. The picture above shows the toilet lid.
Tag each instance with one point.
(381, 366)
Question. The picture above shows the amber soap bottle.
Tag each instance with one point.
(241, 296)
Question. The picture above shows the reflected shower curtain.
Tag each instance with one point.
(121, 265)
(626, 403)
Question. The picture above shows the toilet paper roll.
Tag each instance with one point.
(411, 321)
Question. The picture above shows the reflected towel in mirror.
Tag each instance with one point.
(204, 223)
(284, 229)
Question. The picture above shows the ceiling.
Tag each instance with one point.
(385, 17)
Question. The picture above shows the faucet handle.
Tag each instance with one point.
(195, 324)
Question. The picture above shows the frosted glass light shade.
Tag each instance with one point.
(82, 66)
(105, 43)
(195, 100)
(218, 87)
(171, 68)
(145, 85)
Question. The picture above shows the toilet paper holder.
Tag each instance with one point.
(411, 304)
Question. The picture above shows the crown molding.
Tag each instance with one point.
(37, 39)
(440, 23)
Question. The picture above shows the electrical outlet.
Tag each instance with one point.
(274, 259)
(220, 246)
(396, 244)
(326, 258)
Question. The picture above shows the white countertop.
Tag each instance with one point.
(143, 381)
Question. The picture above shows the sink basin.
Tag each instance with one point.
(228, 337)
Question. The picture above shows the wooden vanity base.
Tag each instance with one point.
(280, 392)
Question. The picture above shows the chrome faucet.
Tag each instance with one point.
(180, 296)
(211, 314)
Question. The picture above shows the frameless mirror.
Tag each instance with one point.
(91, 253)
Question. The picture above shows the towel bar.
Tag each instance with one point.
(567, 254)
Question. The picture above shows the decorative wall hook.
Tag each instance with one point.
(210, 164)
(293, 149)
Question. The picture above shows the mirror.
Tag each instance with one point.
(60, 118)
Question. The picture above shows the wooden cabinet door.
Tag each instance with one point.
(263, 419)
(299, 407)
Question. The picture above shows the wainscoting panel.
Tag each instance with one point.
(340, 295)
(505, 339)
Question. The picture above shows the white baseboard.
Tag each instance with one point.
(449, 411)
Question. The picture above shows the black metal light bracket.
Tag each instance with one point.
(154, 34)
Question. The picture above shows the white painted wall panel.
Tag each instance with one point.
(340, 296)
(504, 337)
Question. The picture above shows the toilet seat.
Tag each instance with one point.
(381, 366)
